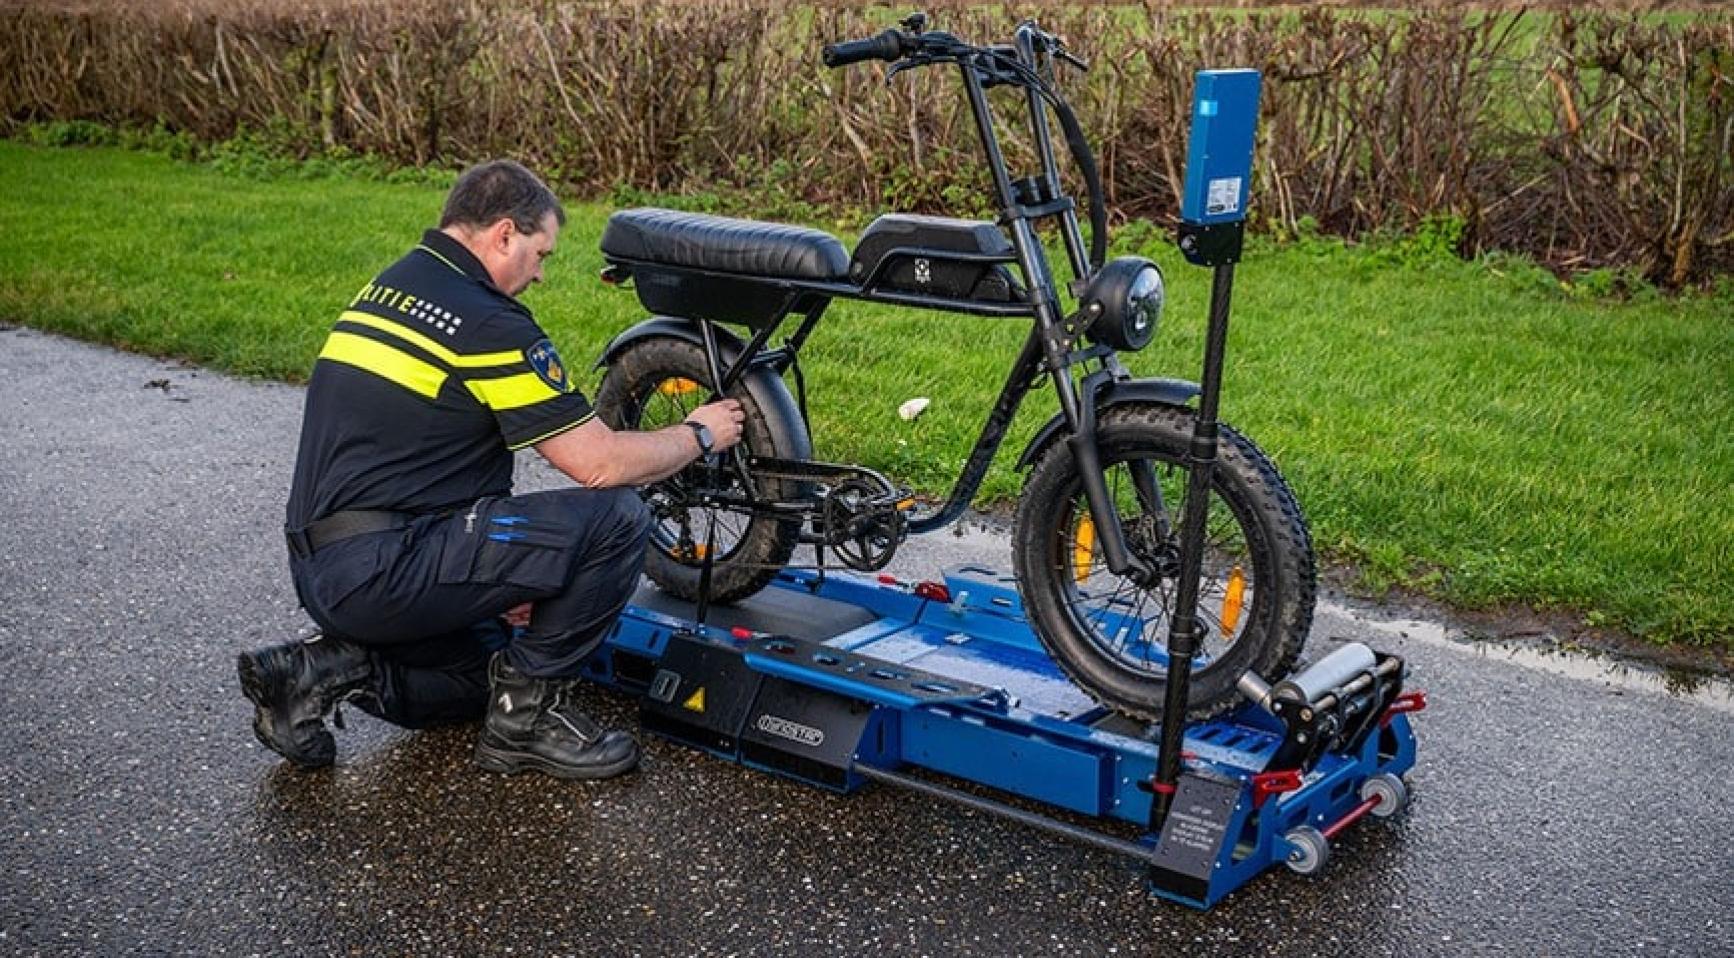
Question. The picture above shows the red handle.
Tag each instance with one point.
(1407, 702)
(1266, 784)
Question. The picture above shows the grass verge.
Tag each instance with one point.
(1467, 430)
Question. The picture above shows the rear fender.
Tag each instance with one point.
(761, 380)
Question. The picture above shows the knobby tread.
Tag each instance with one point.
(767, 544)
(1244, 476)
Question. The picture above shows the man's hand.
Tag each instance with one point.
(601, 458)
(723, 418)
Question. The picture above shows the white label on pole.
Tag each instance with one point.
(1223, 196)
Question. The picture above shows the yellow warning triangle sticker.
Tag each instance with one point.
(695, 702)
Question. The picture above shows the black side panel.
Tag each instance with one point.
(803, 732)
(778, 611)
(700, 695)
(907, 253)
(672, 291)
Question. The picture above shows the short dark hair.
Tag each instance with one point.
(500, 189)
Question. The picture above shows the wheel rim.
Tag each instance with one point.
(1126, 623)
(682, 528)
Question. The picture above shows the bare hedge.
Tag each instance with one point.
(1586, 140)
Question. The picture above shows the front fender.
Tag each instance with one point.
(1167, 392)
(767, 388)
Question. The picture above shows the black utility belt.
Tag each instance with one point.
(343, 525)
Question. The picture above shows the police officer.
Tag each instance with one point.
(406, 544)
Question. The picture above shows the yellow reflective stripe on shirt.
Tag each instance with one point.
(512, 392)
(552, 433)
(435, 254)
(432, 348)
(384, 361)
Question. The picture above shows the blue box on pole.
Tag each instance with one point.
(1219, 157)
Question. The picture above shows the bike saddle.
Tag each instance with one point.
(724, 245)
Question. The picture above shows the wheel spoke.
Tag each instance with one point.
(669, 401)
(1126, 621)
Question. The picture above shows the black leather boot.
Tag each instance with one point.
(295, 685)
(532, 727)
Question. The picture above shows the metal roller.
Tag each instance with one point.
(1256, 689)
(1326, 674)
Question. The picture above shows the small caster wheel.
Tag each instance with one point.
(1392, 794)
(1309, 852)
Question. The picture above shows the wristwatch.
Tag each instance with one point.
(705, 439)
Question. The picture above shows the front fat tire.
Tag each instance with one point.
(766, 544)
(1268, 517)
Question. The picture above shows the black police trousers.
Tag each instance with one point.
(427, 598)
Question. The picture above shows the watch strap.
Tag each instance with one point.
(702, 433)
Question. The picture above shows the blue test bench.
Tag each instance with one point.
(840, 680)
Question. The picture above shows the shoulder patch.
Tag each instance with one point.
(545, 360)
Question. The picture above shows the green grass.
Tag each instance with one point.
(1468, 429)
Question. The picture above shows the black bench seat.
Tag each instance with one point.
(724, 245)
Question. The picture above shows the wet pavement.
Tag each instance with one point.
(1562, 806)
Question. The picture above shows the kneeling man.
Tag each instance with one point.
(442, 596)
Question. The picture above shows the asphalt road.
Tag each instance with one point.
(1561, 808)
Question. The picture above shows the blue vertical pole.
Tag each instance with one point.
(1212, 227)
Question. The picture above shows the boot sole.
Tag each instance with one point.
(257, 690)
(511, 763)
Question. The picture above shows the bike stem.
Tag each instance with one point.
(1026, 47)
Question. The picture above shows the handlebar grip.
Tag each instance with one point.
(886, 46)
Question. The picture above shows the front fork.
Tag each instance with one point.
(1080, 400)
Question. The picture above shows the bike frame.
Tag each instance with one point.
(1049, 349)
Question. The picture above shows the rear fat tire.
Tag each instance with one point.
(766, 545)
(1279, 551)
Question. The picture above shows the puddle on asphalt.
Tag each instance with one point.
(1713, 691)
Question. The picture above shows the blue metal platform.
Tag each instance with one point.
(840, 679)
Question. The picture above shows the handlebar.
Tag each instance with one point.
(887, 46)
(914, 46)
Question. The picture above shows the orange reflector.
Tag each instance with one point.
(904, 505)
(677, 387)
(1083, 548)
(693, 553)
(1232, 597)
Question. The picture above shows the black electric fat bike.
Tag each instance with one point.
(1096, 539)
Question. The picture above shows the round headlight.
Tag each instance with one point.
(1126, 297)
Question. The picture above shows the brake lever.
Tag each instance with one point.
(1067, 56)
(912, 61)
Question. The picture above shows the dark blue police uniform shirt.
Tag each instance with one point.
(428, 381)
